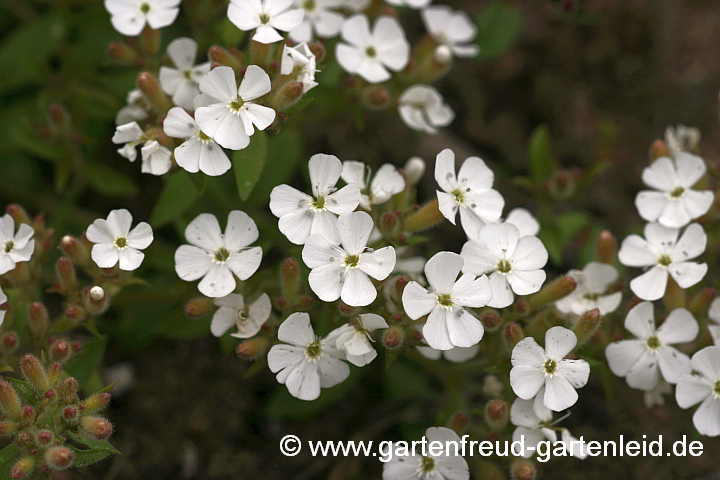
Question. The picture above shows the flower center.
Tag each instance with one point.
(236, 105)
(313, 350)
(591, 296)
(664, 260)
(121, 242)
(653, 343)
(445, 300)
(677, 192)
(203, 137)
(241, 318)
(716, 389)
(145, 8)
(318, 203)
(222, 255)
(187, 74)
(309, 5)
(427, 465)
(351, 261)
(371, 52)
(550, 366)
(504, 266)
(9, 245)
(264, 18)
(459, 195)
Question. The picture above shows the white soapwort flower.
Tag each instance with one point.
(651, 354)
(266, 17)
(299, 63)
(470, 191)
(356, 5)
(449, 324)
(702, 387)
(320, 18)
(591, 292)
(654, 397)
(130, 16)
(422, 108)
(454, 355)
(535, 368)
(156, 159)
(215, 257)
(231, 113)
(673, 203)
(199, 152)
(343, 270)
(183, 81)
(416, 4)
(115, 242)
(15, 247)
(714, 315)
(248, 319)
(662, 253)
(386, 182)
(525, 222)
(354, 338)
(452, 29)
(302, 215)
(372, 53)
(514, 263)
(136, 110)
(130, 135)
(305, 362)
(682, 139)
(446, 466)
(3, 299)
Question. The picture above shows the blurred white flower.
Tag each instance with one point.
(535, 368)
(451, 28)
(248, 319)
(370, 54)
(714, 315)
(215, 257)
(704, 386)
(299, 63)
(422, 108)
(354, 338)
(591, 291)
(130, 16)
(14, 247)
(183, 81)
(155, 158)
(3, 299)
(199, 152)
(136, 110)
(642, 360)
(662, 253)
(386, 182)
(417, 4)
(320, 18)
(525, 222)
(414, 170)
(682, 139)
(231, 113)
(655, 396)
(446, 466)
(305, 363)
(130, 135)
(116, 243)
(356, 5)
(266, 17)
(454, 355)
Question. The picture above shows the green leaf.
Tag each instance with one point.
(25, 138)
(498, 27)
(82, 366)
(8, 456)
(91, 443)
(108, 181)
(178, 194)
(542, 164)
(285, 151)
(249, 164)
(24, 390)
(83, 458)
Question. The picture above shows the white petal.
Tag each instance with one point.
(691, 244)
(183, 51)
(332, 371)
(358, 290)
(105, 255)
(417, 301)
(559, 341)
(679, 327)
(640, 320)
(379, 264)
(525, 282)
(559, 394)
(651, 284)
(442, 271)
(644, 374)
(344, 200)
(218, 281)
(285, 199)
(354, 230)
(246, 262)
(527, 352)
(241, 230)
(673, 364)
(463, 328)
(635, 252)
(222, 321)
(130, 259)
(502, 294)
(140, 237)
(435, 329)
(304, 381)
(692, 389)
(687, 274)
(219, 84)
(204, 231)
(191, 262)
(576, 372)
(623, 355)
(179, 124)
(470, 291)
(255, 83)
(326, 281)
(325, 171)
(297, 330)
(526, 380)
(707, 417)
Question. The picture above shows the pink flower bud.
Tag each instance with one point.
(59, 458)
(97, 427)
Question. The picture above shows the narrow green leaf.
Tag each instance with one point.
(23, 389)
(178, 194)
(108, 181)
(8, 456)
(83, 458)
(542, 163)
(249, 164)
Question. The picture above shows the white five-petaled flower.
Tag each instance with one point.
(214, 256)
(248, 319)
(354, 338)
(514, 263)
(470, 191)
(343, 270)
(682, 139)
(535, 368)
(673, 203)
(320, 18)
(417, 4)
(451, 28)
(525, 222)
(136, 110)
(14, 247)
(199, 152)
(454, 355)
(299, 63)
(386, 182)
(182, 82)
(663, 253)
(305, 363)
(116, 243)
(714, 315)
(449, 324)
(356, 5)
(422, 108)
(130, 16)
(266, 17)
(3, 299)
(642, 360)
(370, 54)
(591, 292)
(448, 465)
(302, 215)
(231, 113)
(703, 386)
(155, 157)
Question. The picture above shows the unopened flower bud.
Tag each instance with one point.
(426, 217)
(55, 372)
(586, 325)
(290, 278)
(75, 250)
(96, 427)
(18, 213)
(513, 334)
(702, 300)
(70, 413)
(150, 40)
(521, 469)
(442, 55)
(122, 53)
(561, 185)
(148, 85)
(96, 300)
(376, 97)
(35, 373)
(9, 342)
(7, 427)
(414, 170)
(221, 57)
(393, 337)
(304, 302)
(492, 387)
(44, 437)
(22, 468)
(319, 50)
(59, 458)
(59, 351)
(496, 414)
(491, 320)
(390, 224)
(65, 271)
(557, 289)
(459, 422)
(38, 319)
(287, 95)
(29, 414)
(252, 348)
(198, 307)
(69, 388)
(346, 310)
(606, 247)
(97, 402)
(9, 401)
(659, 149)
(398, 283)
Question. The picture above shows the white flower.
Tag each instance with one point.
(470, 192)
(446, 466)
(525, 222)
(130, 16)
(302, 215)
(136, 109)
(344, 271)
(214, 256)
(356, 5)
(414, 170)
(655, 396)
(199, 152)
(266, 17)
(319, 18)
(703, 387)
(662, 252)
(182, 82)
(3, 299)
(155, 158)
(451, 28)
(682, 139)
(534, 368)
(131, 135)
(115, 242)
(714, 315)
(354, 338)
(454, 355)
(14, 247)
(386, 183)
(422, 108)
(299, 63)
(673, 203)
(231, 114)
(417, 4)
(371, 53)
(233, 312)
(591, 290)
(308, 362)
(514, 263)
(642, 360)
(449, 324)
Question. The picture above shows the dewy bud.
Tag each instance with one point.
(97, 294)
(252, 348)
(701, 301)
(521, 469)
(97, 427)
(65, 272)
(22, 468)
(18, 213)
(606, 248)
(393, 338)
(557, 289)
(287, 95)
(69, 388)
(290, 278)
(586, 325)
(59, 351)
(38, 319)
(96, 300)
(9, 342)
(148, 85)
(414, 170)
(59, 458)
(35, 373)
(496, 414)
(659, 149)
(122, 53)
(442, 55)
(426, 217)
(459, 422)
(76, 250)
(513, 334)
(9, 401)
(198, 307)
(376, 97)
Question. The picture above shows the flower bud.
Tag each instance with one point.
(659, 149)
(701, 301)
(65, 272)
(390, 224)
(346, 310)
(34, 373)
(561, 185)
(76, 250)
(95, 300)
(60, 117)
(198, 307)
(586, 325)
(22, 468)
(442, 55)
(59, 458)
(414, 170)
(59, 351)
(426, 217)
(44, 437)
(252, 348)
(491, 320)
(492, 387)
(122, 53)
(496, 414)
(318, 49)
(29, 414)
(9, 401)
(55, 373)
(221, 57)
(70, 413)
(9, 342)
(304, 302)
(557, 289)
(259, 52)
(459, 422)
(69, 388)
(96, 427)
(97, 401)
(150, 40)
(75, 312)
(393, 337)
(287, 95)
(513, 334)
(148, 85)
(290, 278)
(7, 427)
(521, 469)
(38, 319)
(376, 97)
(606, 248)
(398, 283)
(18, 213)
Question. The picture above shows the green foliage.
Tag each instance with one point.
(87, 361)
(97, 450)
(108, 181)
(7, 459)
(176, 197)
(542, 163)
(249, 163)
(498, 27)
